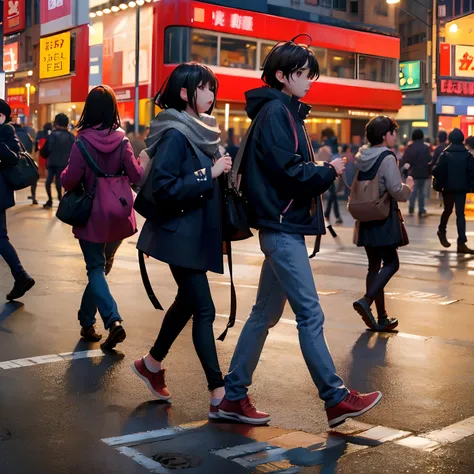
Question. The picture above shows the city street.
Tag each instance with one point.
(66, 407)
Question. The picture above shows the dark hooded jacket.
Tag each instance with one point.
(9, 148)
(57, 148)
(455, 169)
(280, 178)
(418, 156)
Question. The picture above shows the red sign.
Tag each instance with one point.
(54, 10)
(453, 87)
(445, 60)
(10, 57)
(14, 15)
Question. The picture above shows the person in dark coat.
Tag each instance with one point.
(284, 184)
(418, 159)
(9, 148)
(186, 229)
(56, 151)
(455, 175)
(381, 238)
(442, 145)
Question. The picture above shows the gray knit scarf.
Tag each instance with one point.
(204, 133)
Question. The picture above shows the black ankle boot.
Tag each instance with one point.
(21, 286)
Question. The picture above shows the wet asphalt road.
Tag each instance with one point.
(53, 416)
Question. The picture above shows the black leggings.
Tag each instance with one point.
(193, 300)
(379, 276)
(54, 174)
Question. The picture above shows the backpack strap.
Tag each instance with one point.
(146, 282)
(89, 160)
(370, 174)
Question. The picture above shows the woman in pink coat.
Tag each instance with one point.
(100, 132)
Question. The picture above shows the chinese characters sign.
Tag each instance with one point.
(54, 9)
(453, 87)
(410, 75)
(10, 57)
(225, 19)
(55, 55)
(14, 15)
(464, 58)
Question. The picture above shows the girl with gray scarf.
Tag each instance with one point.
(185, 230)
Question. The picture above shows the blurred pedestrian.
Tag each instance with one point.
(328, 152)
(9, 149)
(284, 185)
(232, 148)
(56, 151)
(381, 238)
(186, 230)
(137, 141)
(442, 145)
(417, 159)
(455, 176)
(104, 140)
(470, 145)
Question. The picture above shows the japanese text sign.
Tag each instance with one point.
(14, 14)
(55, 55)
(464, 61)
(10, 57)
(54, 9)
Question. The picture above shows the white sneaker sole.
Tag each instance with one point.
(341, 419)
(148, 384)
(243, 419)
(214, 416)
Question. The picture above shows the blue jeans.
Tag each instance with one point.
(286, 274)
(7, 251)
(97, 294)
(418, 191)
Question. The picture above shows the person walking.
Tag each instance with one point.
(284, 186)
(187, 230)
(417, 158)
(381, 238)
(56, 151)
(328, 152)
(455, 176)
(9, 149)
(104, 140)
(442, 145)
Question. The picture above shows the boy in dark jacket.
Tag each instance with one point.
(9, 148)
(418, 157)
(455, 175)
(284, 186)
(56, 151)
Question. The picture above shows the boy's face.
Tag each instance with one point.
(298, 83)
(391, 139)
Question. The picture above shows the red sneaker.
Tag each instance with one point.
(243, 410)
(214, 413)
(353, 405)
(154, 381)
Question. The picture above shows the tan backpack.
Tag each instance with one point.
(365, 203)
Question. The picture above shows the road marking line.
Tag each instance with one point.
(417, 442)
(137, 438)
(453, 433)
(49, 359)
(143, 460)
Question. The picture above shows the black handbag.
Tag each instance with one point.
(24, 173)
(236, 222)
(75, 206)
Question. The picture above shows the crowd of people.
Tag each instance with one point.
(182, 182)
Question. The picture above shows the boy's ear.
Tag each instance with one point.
(183, 93)
(280, 76)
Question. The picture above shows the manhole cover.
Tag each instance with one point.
(177, 460)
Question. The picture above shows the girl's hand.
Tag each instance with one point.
(223, 165)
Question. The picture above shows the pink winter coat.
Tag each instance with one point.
(104, 148)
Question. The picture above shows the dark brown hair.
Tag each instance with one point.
(101, 110)
(378, 127)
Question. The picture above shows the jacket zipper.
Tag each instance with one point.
(285, 211)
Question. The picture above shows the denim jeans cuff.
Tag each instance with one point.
(342, 394)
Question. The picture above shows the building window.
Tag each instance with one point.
(355, 7)
(339, 5)
(176, 45)
(376, 69)
(204, 48)
(238, 53)
(381, 8)
(265, 49)
(341, 64)
(37, 8)
(326, 3)
(29, 13)
(321, 56)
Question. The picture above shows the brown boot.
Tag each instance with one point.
(90, 334)
(464, 249)
(117, 335)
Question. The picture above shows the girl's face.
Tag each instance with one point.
(204, 97)
(2, 119)
(298, 83)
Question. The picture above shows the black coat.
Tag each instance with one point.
(418, 156)
(187, 230)
(437, 153)
(57, 149)
(9, 148)
(274, 174)
(455, 170)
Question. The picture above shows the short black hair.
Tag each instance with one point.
(100, 110)
(378, 127)
(288, 57)
(442, 136)
(61, 120)
(417, 134)
(470, 142)
(328, 133)
(188, 76)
